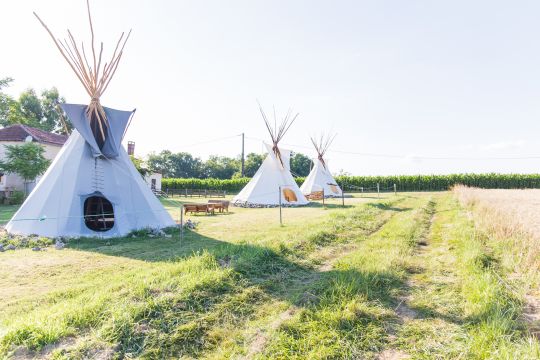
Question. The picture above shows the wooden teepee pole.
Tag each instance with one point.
(91, 74)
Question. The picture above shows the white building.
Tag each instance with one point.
(154, 181)
(17, 135)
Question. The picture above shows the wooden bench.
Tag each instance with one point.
(220, 204)
(197, 208)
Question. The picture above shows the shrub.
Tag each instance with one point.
(386, 183)
(16, 198)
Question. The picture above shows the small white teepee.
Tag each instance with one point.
(92, 188)
(273, 181)
(320, 178)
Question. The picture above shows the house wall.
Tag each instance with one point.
(11, 182)
(157, 177)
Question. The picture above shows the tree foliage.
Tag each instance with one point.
(182, 164)
(39, 111)
(139, 164)
(26, 160)
(221, 167)
(185, 165)
(252, 164)
(6, 101)
(300, 164)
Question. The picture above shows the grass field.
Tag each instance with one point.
(417, 275)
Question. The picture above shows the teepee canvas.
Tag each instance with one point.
(320, 178)
(91, 188)
(273, 181)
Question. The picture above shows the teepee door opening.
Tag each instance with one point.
(98, 213)
(99, 130)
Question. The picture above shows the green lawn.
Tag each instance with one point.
(6, 212)
(395, 277)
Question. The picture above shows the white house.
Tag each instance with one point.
(17, 135)
(154, 181)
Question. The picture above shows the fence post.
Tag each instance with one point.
(205, 193)
(343, 195)
(378, 192)
(323, 198)
(361, 191)
(186, 193)
(280, 217)
(395, 190)
(181, 222)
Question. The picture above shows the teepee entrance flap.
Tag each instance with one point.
(117, 122)
(77, 114)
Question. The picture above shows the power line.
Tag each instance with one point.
(420, 157)
(211, 141)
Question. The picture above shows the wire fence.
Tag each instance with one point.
(369, 189)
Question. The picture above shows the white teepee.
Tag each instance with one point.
(320, 178)
(92, 188)
(273, 181)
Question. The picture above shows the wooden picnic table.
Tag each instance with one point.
(219, 204)
(197, 208)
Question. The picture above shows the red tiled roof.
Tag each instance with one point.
(21, 132)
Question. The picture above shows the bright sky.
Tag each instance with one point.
(410, 79)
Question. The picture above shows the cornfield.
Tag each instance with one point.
(403, 182)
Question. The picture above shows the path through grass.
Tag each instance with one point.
(404, 276)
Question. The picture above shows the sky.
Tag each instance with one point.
(409, 87)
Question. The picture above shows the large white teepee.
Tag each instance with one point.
(273, 181)
(320, 178)
(92, 188)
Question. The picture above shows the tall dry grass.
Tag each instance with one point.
(512, 219)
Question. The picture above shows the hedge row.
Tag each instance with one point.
(443, 182)
(403, 182)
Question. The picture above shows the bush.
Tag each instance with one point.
(16, 198)
(386, 183)
(442, 182)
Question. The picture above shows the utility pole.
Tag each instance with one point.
(242, 154)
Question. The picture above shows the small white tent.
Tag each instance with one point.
(320, 178)
(92, 188)
(273, 182)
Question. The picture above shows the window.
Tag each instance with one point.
(98, 213)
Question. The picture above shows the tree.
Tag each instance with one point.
(139, 165)
(252, 164)
(221, 167)
(185, 165)
(160, 163)
(175, 165)
(41, 112)
(300, 164)
(54, 117)
(26, 160)
(6, 101)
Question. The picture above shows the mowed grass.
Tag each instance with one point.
(398, 276)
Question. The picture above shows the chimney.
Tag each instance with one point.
(131, 148)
